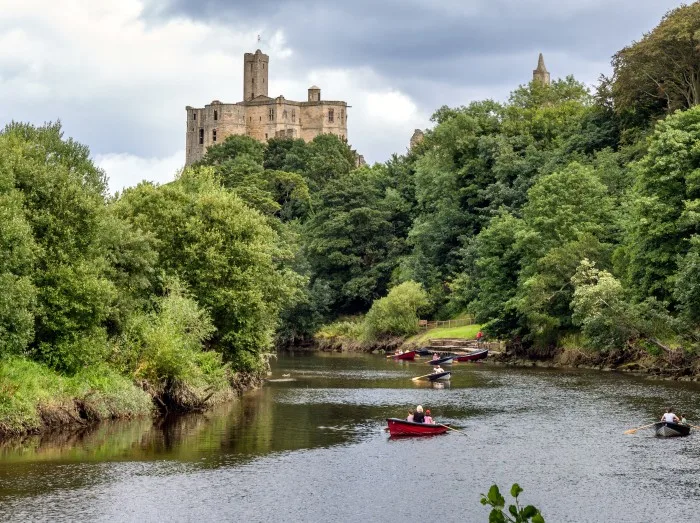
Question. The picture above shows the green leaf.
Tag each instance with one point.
(537, 518)
(515, 490)
(513, 510)
(529, 511)
(496, 516)
(495, 497)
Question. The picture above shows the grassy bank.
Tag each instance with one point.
(34, 398)
(466, 332)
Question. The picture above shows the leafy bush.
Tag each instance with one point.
(166, 347)
(515, 513)
(397, 313)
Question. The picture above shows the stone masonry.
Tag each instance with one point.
(260, 116)
(541, 74)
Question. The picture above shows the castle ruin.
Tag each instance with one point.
(541, 74)
(260, 116)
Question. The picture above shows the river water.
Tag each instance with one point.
(311, 447)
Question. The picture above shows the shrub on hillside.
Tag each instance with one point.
(397, 313)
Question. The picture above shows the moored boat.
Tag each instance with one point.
(474, 356)
(447, 360)
(440, 376)
(410, 355)
(665, 429)
(423, 352)
(401, 427)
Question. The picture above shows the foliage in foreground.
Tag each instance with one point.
(515, 513)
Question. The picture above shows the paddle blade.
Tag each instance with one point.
(630, 431)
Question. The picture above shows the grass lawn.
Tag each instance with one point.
(467, 331)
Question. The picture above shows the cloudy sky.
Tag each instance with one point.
(119, 73)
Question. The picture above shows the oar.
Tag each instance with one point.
(419, 377)
(447, 426)
(632, 431)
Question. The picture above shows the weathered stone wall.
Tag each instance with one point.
(316, 120)
(255, 73)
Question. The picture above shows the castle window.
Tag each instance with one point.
(201, 136)
(213, 135)
(284, 114)
(342, 115)
(265, 136)
(271, 114)
(294, 115)
(216, 115)
(330, 115)
(194, 115)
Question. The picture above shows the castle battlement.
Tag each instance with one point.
(260, 116)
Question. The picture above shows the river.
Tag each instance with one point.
(311, 447)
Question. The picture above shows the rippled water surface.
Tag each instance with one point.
(311, 447)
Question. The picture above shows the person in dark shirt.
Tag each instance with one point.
(418, 416)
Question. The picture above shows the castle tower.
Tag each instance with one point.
(255, 68)
(314, 94)
(541, 74)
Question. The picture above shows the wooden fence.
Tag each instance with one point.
(425, 325)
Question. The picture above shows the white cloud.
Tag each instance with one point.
(126, 170)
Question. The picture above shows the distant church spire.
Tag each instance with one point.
(541, 74)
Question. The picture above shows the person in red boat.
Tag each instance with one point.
(428, 418)
(410, 415)
(418, 416)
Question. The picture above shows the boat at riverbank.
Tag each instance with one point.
(474, 356)
(410, 356)
(401, 427)
(447, 360)
(665, 429)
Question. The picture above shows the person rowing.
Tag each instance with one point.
(438, 369)
(435, 356)
(670, 417)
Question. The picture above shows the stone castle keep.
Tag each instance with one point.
(260, 116)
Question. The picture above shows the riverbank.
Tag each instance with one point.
(674, 365)
(35, 399)
(671, 364)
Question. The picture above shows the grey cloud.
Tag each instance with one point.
(479, 43)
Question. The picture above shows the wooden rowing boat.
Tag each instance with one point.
(474, 356)
(410, 355)
(401, 427)
(665, 429)
(440, 376)
(447, 360)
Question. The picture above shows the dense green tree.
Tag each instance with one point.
(224, 251)
(666, 206)
(661, 72)
(63, 196)
(287, 154)
(348, 239)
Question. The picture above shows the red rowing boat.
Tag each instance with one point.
(410, 355)
(401, 427)
(474, 356)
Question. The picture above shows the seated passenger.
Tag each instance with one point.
(428, 418)
(435, 356)
(418, 416)
(410, 415)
